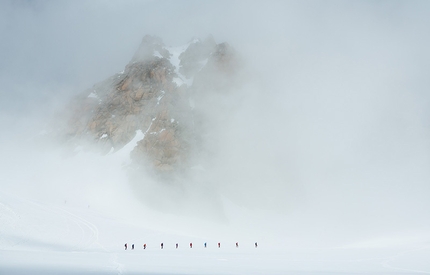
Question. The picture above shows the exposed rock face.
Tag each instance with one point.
(153, 96)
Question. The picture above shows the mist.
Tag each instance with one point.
(325, 140)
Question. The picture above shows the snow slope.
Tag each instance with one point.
(50, 238)
(73, 215)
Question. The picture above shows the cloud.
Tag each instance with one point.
(331, 128)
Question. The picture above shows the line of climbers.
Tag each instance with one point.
(177, 245)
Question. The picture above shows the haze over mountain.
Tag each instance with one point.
(294, 124)
(161, 107)
(160, 97)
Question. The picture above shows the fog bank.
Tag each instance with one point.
(326, 139)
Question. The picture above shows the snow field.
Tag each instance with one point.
(45, 238)
(73, 216)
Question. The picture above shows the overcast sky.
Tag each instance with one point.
(339, 102)
(48, 47)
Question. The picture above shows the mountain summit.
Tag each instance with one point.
(157, 101)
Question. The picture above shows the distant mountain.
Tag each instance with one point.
(160, 99)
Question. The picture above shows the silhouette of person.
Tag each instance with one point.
(132, 247)
(125, 246)
(162, 245)
(219, 245)
(206, 245)
(237, 244)
(255, 244)
(144, 246)
(177, 245)
(191, 245)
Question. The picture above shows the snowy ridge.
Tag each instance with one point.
(175, 61)
(124, 152)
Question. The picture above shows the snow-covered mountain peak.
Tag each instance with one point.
(156, 94)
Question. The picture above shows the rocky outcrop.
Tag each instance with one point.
(154, 95)
(195, 57)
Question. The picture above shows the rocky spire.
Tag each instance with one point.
(151, 100)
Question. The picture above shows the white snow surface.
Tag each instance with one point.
(175, 53)
(93, 95)
(157, 54)
(124, 153)
(53, 237)
(73, 215)
(160, 97)
(81, 228)
(175, 61)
